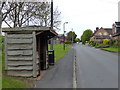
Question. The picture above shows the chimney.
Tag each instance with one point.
(113, 28)
(101, 28)
(113, 25)
(97, 28)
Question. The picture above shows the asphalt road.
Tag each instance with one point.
(96, 68)
(59, 76)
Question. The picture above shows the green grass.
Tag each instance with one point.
(59, 52)
(112, 49)
(0, 69)
(16, 82)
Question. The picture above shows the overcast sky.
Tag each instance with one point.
(87, 14)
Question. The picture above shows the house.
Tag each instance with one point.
(59, 39)
(116, 30)
(100, 34)
(26, 50)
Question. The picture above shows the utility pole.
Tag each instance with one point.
(51, 41)
(64, 34)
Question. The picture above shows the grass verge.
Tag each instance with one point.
(59, 51)
(112, 49)
(0, 69)
(16, 82)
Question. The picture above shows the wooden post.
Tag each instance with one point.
(38, 49)
(6, 59)
(34, 56)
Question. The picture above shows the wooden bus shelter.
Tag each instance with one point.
(26, 50)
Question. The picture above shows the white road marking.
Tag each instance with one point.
(74, 72)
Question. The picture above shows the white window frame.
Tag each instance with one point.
(104, 33)
(100, 33)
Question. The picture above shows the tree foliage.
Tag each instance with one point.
(71, 36)
(86, 35)
(18, 14)
(77, 40)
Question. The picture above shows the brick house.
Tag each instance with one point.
(59, 39)
(101, 33)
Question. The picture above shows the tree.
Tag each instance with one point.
(18, 14)
(86, 36)
(43, 15)
(4, 12)
(77, 40)
(71, 36)
(14, 14)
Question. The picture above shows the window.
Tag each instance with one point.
(100, 33)
(105, 33)
(115, 29)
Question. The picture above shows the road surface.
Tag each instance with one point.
(96, 68)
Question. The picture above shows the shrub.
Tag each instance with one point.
(112, 42)
(106, 41)
(1, 42)
(97, 44)
(1, 38)
(94, 43)
(90, 41)
(67, 42)
(115, 43)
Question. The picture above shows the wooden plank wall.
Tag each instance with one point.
(19, 53)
